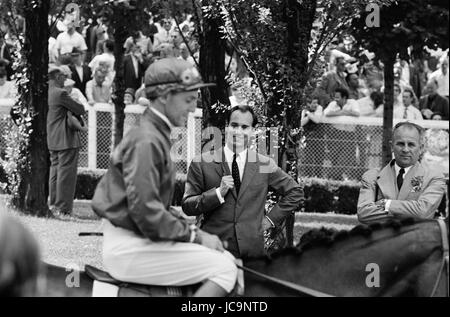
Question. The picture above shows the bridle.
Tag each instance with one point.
(296, 287)
(445, 258)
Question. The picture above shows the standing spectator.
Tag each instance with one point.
(5, 55)
(163, 36)
(128, 98)
(441, 77)
(150, 29)
(432, 105)
(96, 89)
(63, 142)
(417, 76)
(133, 68)
(7, 88)
(97, 34)
(330, 82)
(407, 110)
(74, 93)
(81, 73)
(342, 145)
(67, 41)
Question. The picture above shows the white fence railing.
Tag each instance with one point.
(336, 148)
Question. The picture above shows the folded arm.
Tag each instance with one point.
(427, 203)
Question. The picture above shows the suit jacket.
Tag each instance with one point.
(80, 83)
(136, 191)
(436, 103)
(59, 135)
(239, 219)
(419, 196)
(329, 83)
(130, 78)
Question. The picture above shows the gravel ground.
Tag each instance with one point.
(61, 245)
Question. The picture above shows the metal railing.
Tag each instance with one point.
(345, 147)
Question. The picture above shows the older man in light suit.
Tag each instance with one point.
(404, 187)
(63, 142)
(229, 186)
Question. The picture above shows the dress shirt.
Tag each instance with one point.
(397, 171)
(241, 160)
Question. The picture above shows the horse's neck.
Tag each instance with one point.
(385, 263)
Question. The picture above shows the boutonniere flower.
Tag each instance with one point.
(416, 183)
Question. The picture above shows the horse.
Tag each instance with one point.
(398, 258)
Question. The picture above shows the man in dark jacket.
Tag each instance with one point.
(144, 241)
(63, 142)
(433, 106)
(81, 73)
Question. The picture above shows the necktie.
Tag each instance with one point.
(235, 174)
(405, 113)
(400, 178)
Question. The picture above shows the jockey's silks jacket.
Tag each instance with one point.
(137, 190)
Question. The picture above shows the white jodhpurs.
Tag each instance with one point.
(133, 259)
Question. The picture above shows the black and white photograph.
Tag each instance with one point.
(242, 150)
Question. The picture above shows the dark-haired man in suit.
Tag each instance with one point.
(81, 73)
(405, 187)
(229, 188)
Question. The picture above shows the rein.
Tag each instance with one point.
(298, 288)
(445, 257)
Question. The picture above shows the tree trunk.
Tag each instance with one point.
(212, 59)
(299, 20)
(388, 107)
(34, 188)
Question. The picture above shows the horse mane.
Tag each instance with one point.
(324, 237)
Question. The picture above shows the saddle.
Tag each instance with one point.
(107, 286)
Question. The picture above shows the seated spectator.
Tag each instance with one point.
(128, 98)
(355, 89)
(407, 110)
(371, 106)
(432, 105)
(342, 140)
(96, 89)
(19, 259)
(398, 102)
(7, 88)
(185, 54)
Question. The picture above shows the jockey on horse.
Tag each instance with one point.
(144, 242)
